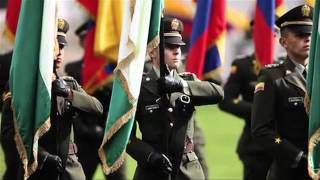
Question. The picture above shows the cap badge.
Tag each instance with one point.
(60, 24)
(174, 24)
(305, 10)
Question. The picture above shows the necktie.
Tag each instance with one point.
(304, 73)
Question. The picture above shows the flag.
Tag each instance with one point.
(12, 16)
(313, 89)
(310, 2)
(31, 76)
(127, 81)
(263, 31)
(96, 70)
(206, 50)
(108, 29)
(184, 11)
(280, 8)
(91, 6)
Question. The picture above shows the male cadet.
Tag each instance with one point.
(279, 120)
(57, 151)
(165, 150)
(88, 128)
(238, 98)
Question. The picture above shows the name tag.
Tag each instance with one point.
(295, 99)
(152, 107)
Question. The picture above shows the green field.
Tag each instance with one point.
(221, 130)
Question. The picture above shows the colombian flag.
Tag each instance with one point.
(263, 31)
(208, 38)
(97, 71)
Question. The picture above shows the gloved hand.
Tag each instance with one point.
(59, 88)
(303, 163)
(169, 84)
(54, 162)
(160, 162)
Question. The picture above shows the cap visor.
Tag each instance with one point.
(174, 40)
(62, 40)
(301, 29)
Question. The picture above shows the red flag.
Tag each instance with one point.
(263, 31)
(96, 70)
(207, 42)
(12, 17)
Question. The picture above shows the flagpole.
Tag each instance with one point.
(165, 97)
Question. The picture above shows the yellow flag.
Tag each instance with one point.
(108, 32)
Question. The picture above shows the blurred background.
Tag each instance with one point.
(221, 130)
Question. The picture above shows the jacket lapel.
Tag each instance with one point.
(294, 77)
(149, 82)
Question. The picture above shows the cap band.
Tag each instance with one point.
(61, 34)
(173, 34)
(287, 23)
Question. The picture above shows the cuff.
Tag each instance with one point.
(297, 160)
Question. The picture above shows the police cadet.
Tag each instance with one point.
(165, 150)
(238, 98)
(57, 152)
(279, 120)
(88, 128)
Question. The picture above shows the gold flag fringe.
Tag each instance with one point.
(29, 169)
(313, 142)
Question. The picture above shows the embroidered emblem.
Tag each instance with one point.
(305, 10)
(174, 24)
(61, 24)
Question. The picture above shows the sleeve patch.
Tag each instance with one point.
(259, 87)
(233, 69)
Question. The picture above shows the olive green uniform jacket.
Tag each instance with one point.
(279, 119)
(168, 128)
(59, 139)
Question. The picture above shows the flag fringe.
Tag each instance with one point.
(29, 170)
(121, 121)
(313, 142)
(102, 154)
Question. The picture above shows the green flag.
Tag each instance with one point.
(30, 77)
(127, 81)
(313, 87)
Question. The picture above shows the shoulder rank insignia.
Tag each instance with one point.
(259, 87)
(272, 65)
(277, 140)
(67, 78)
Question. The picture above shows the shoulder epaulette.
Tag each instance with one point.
(268, 66)
(188, 76)
(68, 78)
